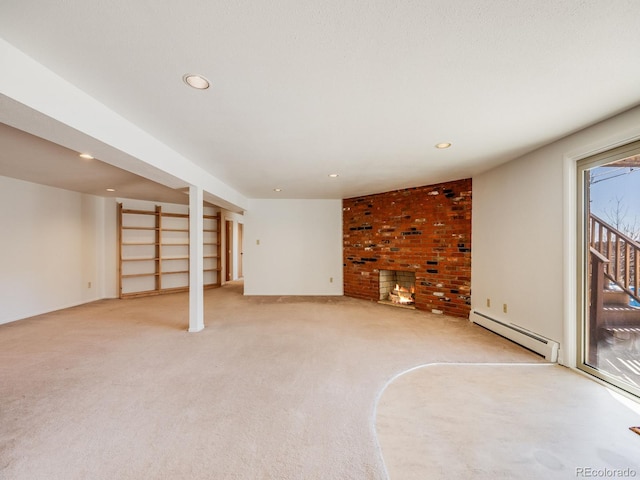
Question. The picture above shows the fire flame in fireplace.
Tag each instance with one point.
(402, 295)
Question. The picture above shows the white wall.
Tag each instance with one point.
(300, 247)
(109, 250)
(51, 247)
(524, 233)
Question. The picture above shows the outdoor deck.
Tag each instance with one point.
(619, 356)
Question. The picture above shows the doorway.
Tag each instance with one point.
(240, 249)
(609, 267)
(229, 250)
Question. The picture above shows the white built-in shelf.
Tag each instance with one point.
(161, 238)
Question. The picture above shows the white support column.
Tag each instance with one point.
(196, 262)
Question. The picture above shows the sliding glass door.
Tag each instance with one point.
(609, 266)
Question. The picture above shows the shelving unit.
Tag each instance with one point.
(212, 249)
(153, 252)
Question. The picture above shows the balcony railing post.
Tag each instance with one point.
(596, 287)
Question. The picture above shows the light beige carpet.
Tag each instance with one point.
(505, 421)
(273, 388)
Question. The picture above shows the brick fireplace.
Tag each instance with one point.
(425, 231)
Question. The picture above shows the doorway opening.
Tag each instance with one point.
(240, 249)
(229, 256)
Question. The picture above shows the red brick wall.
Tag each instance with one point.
(426, 230)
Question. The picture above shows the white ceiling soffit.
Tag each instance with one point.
(31, 158)
(136, 179)
(300, 90)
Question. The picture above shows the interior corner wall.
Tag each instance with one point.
(524, 224)
(293, 247)
(50, 249)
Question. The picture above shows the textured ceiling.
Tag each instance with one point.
(363, 89)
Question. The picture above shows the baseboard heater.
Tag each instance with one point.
(529, 340)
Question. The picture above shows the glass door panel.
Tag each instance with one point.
(610, 251)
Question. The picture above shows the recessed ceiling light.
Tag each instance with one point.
(111, 189)
(334, 175)
(443, 145)
(86, 156)
(277, 189)
(196, 81)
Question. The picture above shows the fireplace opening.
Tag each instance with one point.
(397, 288)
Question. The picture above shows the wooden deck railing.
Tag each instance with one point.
(622, 253)
(596, 317)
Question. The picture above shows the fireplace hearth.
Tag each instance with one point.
(397, 288)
